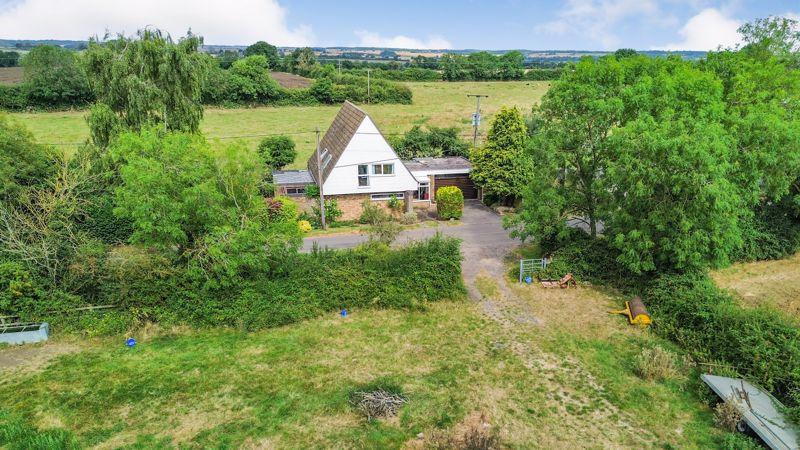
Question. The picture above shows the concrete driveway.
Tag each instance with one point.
(484, 241)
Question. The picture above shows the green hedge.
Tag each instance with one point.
(762, 344)
(449, 202)
(327, 281)
(13, 97)
(306, 286)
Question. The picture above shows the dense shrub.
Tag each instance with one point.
(18, 289)
(277, 151)
(761, 344)
(55, 77)
(449, 202)
(772, 233)
(13, 97)
(324, 281)
(434, 142)
(101, 223)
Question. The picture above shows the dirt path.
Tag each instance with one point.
(33, 356)
(589, 418)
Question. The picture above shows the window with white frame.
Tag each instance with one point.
(424, 191)
(383, 169)
(387, 196)
(363, 175)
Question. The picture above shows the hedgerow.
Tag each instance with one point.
(760, 344)
(306, 286)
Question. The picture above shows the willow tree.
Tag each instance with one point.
(143, 80)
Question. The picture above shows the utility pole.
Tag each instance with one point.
(476, 118)
(369, 94)
(319, 184)
(340, 67)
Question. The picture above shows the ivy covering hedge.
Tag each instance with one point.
(306, 286)
(449, 202)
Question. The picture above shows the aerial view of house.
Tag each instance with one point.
(293, 224)
(357, 163)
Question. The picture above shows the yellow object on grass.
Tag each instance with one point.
(635, 312)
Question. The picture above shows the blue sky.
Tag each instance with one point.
(500, 24)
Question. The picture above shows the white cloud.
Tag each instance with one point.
(707, 30)
(372, 39)
(600, 19)
(219, 22)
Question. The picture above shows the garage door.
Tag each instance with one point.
(462, 182)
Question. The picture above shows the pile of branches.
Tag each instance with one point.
(377, 403)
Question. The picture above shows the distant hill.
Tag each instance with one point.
(377, 53)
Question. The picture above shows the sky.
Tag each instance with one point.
(428, 24)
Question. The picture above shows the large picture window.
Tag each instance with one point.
(363, 175)
(383, 169)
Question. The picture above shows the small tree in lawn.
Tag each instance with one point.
(500, 166)
(450, 202)
(277, 152)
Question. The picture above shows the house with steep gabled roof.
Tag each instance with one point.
(357, 163)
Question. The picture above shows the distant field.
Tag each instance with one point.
(290, 80)
(10, 75)
(773, 283)
(435, 103)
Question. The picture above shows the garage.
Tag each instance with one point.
(461, 181)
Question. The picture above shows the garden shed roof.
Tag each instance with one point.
(287, 177)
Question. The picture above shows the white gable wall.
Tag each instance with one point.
(368, 147)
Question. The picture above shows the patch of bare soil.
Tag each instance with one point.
(290, 80)
(33, 356)
(10, 76)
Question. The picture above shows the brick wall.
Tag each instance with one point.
(351, 205)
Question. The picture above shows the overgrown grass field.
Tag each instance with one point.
(573, 386)
(435, 103)
(767, 283)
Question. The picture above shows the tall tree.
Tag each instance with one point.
(675, 203)
(499, 166)
(570, 151)
(227, 58)
(53, 76)
(148, 79)
(302, 61)
(266, 50)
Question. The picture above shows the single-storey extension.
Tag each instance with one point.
(357, 163)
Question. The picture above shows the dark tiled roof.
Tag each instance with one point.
(337, 137)
(434, 164)
(284, 177)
